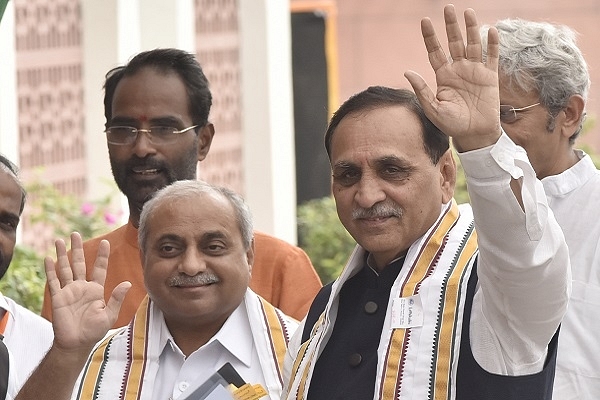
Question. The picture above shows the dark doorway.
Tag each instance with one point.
(310, 105)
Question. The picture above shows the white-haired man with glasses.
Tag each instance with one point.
(544, 83)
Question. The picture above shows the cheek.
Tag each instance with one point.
(118, 153)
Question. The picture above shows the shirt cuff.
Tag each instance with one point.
(495, 160)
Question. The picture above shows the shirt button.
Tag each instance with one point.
(183, 385)
(371, 307)
(354, 360)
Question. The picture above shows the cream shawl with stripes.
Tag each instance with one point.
(124, 365)
(418, 362)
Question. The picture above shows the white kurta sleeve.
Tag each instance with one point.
(523, 266)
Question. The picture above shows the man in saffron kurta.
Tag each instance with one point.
(199, 314)
(157, 108)
(437, 301)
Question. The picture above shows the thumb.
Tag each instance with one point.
(116, 300)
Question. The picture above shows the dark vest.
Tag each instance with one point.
(473, 382)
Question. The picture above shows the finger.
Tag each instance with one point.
(77, 257)
(456, 45)
(116, 300)
(493, 49)
(437, 57)
(101, 263)
(473, 36)
(424, 94)
(62, 267)
(51, 277)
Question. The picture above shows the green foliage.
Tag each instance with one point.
(460, 190)
(25, 279)
(67, 213)
(323, 237)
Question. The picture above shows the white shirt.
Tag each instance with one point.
(179, 376)
(524, 272)
(27, 337)
(574, 196)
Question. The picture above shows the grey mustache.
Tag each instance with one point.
(379, 210)
(196, 280)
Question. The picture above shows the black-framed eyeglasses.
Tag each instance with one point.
(123, 135)
(508, 113)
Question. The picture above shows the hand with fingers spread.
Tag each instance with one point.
(81, 316)
(466, 103)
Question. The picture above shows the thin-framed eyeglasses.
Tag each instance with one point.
(508, 113)
(124, 135)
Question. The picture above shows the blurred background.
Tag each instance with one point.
(277, 70)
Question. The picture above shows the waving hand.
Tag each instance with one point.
(465, 105)
(80, 315)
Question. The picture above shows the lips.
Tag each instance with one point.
(145, 171)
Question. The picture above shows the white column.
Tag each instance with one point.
(167, 24)
(268, 119)
(110, 38)
(9, 128)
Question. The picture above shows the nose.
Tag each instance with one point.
(142, 146)
(370, 192)
(192, 262)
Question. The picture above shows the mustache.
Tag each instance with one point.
(205, 278)
(379, 210)
(146, 163)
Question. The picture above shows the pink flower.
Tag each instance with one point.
(87, 209)
(110, 218)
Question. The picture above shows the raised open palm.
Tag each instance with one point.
(81, 317)
(466, 103)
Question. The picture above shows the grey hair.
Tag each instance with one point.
(543, 57)
(192, 189)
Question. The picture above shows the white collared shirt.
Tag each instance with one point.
(27, 337)
(178, 376)
(574, 197)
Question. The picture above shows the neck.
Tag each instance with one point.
(134, 215)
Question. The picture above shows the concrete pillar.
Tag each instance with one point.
(9, 128)
(267, 109)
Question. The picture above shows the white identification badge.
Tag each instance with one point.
(407, 312)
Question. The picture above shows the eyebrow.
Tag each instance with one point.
(394, 160)
(379, 161)
(211, 235)
(206, 236)
(158, 121)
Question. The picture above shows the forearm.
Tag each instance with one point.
(523, 264)
(55, 377)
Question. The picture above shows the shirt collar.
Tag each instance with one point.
(228, 337)
(3, 303)
(571, 179)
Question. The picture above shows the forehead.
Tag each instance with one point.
(384, 131)
(511, 94)
(150, 93)
(10, 193)
(193, 216)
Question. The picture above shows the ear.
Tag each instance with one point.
(573, 115)
(205, 137)
(250, 256)
(447, 168)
